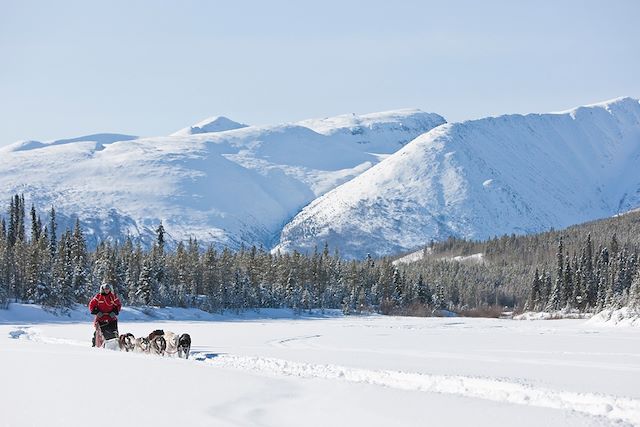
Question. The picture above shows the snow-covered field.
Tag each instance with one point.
(275, 369)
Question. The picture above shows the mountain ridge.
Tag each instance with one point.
(229, 188)
(478, 178)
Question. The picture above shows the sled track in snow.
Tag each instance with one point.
(610, 407)
(613, 408)
(30, 333)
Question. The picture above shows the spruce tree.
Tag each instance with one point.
(35, 226)
(634, 292)
(423, 293)
(145, 283)
(79, 262)
(52, 233)
(558, 291)
(534, 301)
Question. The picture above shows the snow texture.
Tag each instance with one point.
(411, 257)
(625, 316)
(275, 369)
(481, 178)
(228, 187)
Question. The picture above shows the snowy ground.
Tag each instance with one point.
(274, 369)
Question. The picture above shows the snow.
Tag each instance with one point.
(379, 133)
(625, 316)
(545, 315)
(481, 178)
(276, 369)
(411, 257)
(212, 124)
(228, 188)
(470, 259)
(100, 138)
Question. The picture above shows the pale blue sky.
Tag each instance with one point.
(69, 68)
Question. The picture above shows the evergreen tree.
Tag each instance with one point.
(52, 233)
(423, 293)
(79, 264)
(555, 299)
(63, 295)
(12, 228)
(568, 292)
(145, 283)
(161, 289)
(160, 240)
(559, 289)
(438, 298)
(634, 292)
(35, 225)
(535, 296)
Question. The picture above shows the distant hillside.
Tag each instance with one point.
(603, 254)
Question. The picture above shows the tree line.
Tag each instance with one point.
(577, 268)
(586, 267)
(57, 269)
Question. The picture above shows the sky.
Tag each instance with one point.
(71, 68)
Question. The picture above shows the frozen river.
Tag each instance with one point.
(370, 370)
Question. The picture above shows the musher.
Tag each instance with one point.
(106, 306)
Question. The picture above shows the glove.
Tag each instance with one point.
(115, 311)
(95, 311)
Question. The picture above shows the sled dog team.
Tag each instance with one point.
(106, 306)
(158, 342)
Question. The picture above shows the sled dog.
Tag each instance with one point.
(127, 342)
(158, 345)
(172, 342)
(184, 346)
(142, 345)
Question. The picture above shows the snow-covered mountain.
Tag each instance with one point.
(382, 133)
(227, 187)
(212, 124)
(99, 138)
(476, 179)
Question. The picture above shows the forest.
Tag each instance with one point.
(582, 268)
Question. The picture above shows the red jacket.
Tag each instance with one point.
(105, 303)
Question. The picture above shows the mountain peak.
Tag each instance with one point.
(212, 124)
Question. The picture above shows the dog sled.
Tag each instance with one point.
(110, 342)
(158, 342)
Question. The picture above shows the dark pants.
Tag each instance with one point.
(109, 331)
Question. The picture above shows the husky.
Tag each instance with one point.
(157, 332)
(127, 342)
(172, 342)
(157, 343)
(142, 345)
(184, 346)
